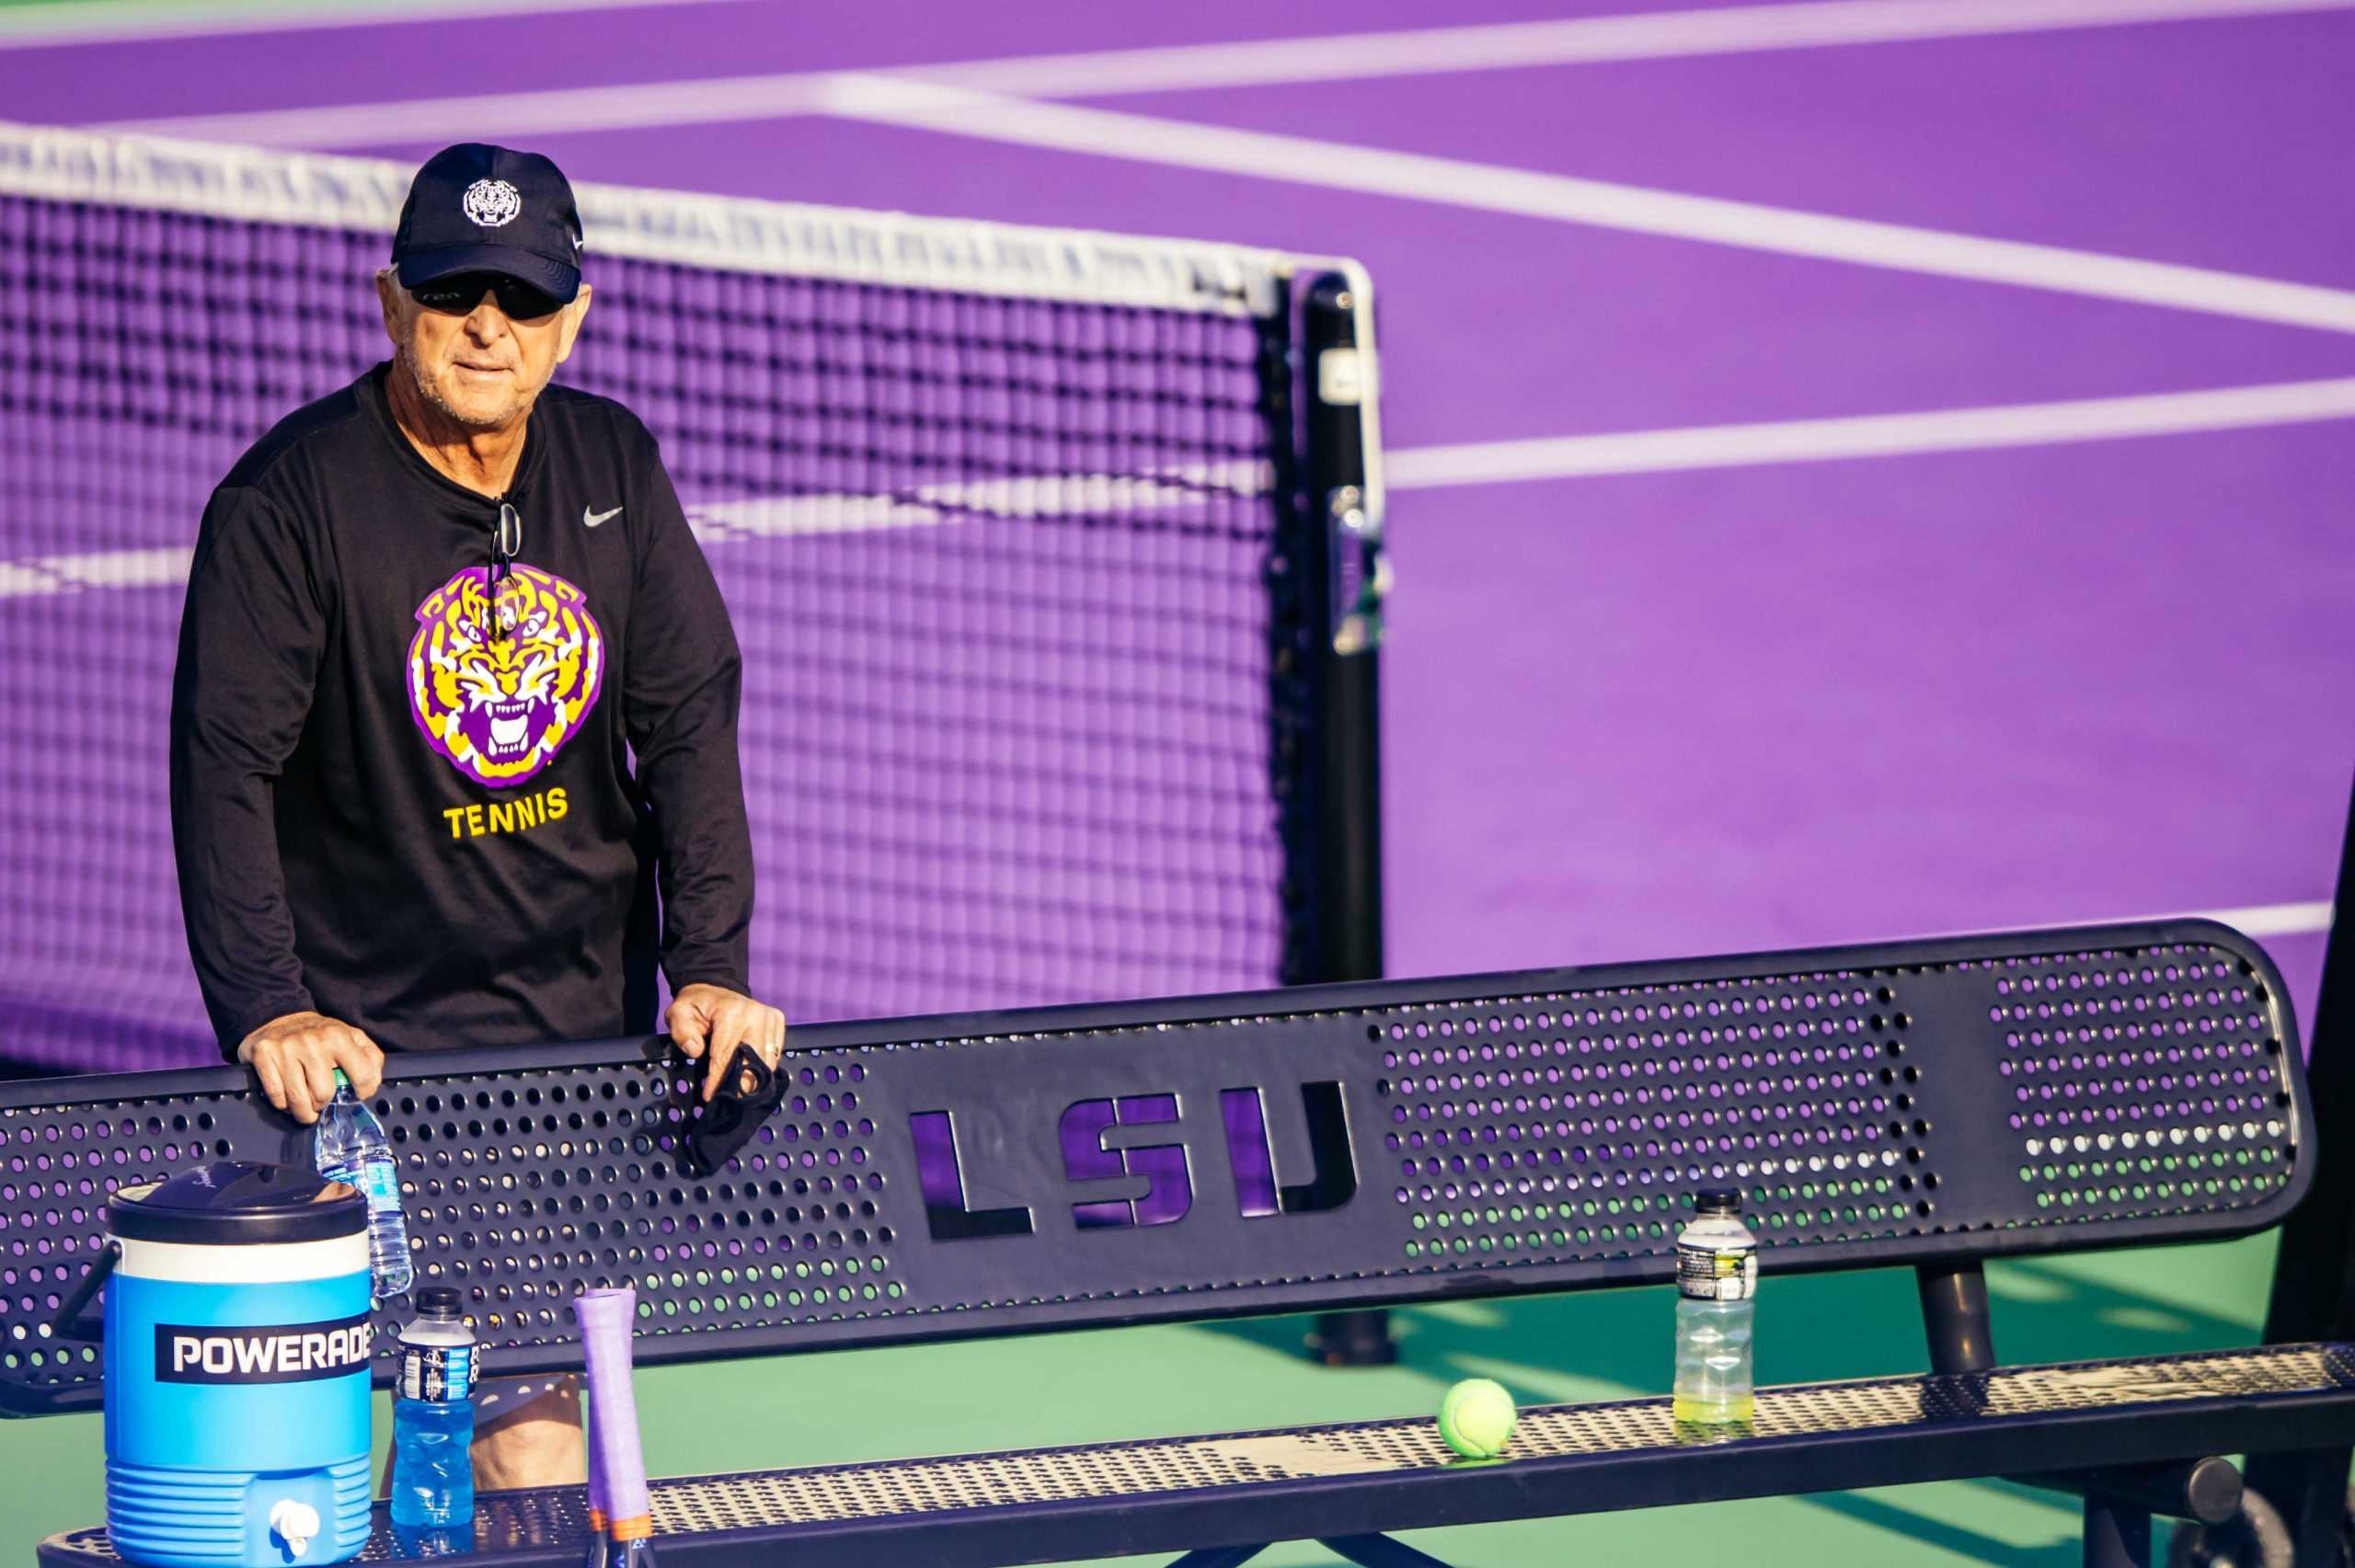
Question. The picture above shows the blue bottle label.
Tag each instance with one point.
(438, 1374)
(374, 1177)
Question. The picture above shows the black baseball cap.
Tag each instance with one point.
(476, 207)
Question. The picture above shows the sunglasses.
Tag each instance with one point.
(517, 301)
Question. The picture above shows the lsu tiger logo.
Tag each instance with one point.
(499, 708)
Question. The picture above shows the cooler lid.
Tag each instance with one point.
(234, 1201)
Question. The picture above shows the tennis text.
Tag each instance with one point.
(505, 816)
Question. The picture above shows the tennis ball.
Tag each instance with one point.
(1477, 1418)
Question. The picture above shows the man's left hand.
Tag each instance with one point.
(709, 1021)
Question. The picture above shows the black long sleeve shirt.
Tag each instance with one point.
(387, 809)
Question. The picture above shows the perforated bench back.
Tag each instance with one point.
(1276, 1152)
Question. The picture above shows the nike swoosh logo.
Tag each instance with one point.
(591, 519)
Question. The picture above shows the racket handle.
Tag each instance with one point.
(606, 1318)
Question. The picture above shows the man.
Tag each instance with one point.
(431, 620)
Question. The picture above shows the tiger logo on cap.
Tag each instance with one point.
(493, 203)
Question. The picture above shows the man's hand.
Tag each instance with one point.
(714, 1019)
(295, 1057)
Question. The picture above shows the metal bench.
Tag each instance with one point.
(1931, 1104)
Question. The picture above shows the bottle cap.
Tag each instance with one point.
(437, 1301)
(340, 1080)
(1717, 1200)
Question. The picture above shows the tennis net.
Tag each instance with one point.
(1000, 514)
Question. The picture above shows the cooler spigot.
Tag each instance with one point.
(296, 1524)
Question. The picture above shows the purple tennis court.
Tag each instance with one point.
(1644, 695)
(1857, 469)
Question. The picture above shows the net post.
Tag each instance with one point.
(1341, 578)
(2118, 1535)
(2313, 1271)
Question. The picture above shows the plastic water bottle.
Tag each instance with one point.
(433, 1417)
(350, 1147)
(1717, 1279)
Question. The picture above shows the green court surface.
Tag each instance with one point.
(1152, 1382)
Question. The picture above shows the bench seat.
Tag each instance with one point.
(1358, 1478)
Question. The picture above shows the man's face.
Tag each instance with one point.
(469, 356)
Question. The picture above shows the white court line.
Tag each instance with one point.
(1037, 496)
(2271, 919)
(483, 116)
(1736, 29)
(114, 21)
(1870, 435)
(2306, 919)
(40, 575)
(1568, 457)
(1527, 193)
(1719, 30)
(768, 517)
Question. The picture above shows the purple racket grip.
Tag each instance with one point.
(606, 1320)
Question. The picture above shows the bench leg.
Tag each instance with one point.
(2118, 1535)
(2311, 1490)
(1220, 1556)
(1378, 1551)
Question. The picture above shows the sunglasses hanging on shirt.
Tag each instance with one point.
(506, 540)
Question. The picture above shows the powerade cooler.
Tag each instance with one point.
(237, 1369)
